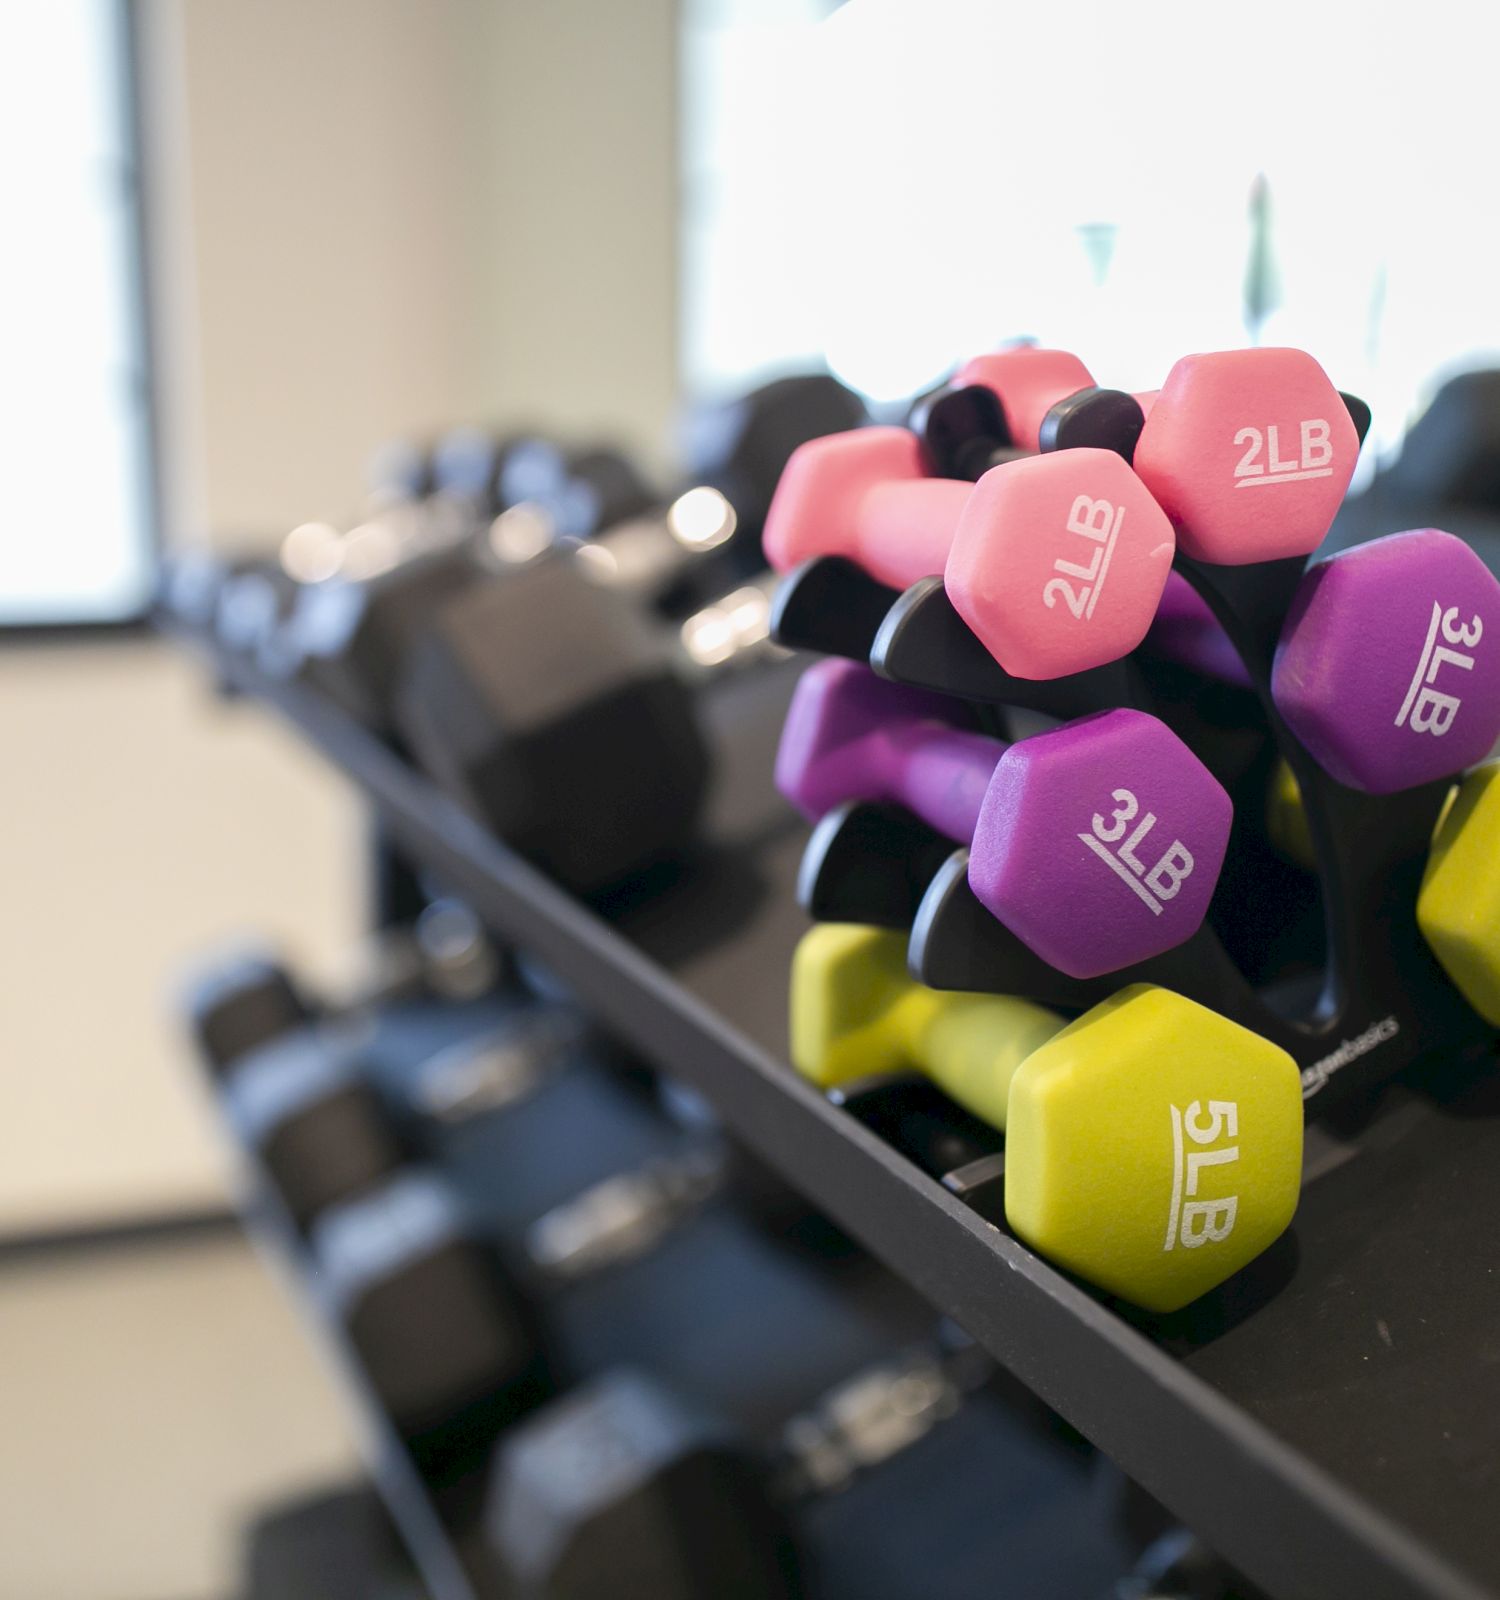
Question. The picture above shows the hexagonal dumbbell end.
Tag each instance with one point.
(1058, 562)
(1388, 668)
(1098, 843)
(865, 495)
(1249, 452)
(1458, 908)
(855, 1011)
(624, 1488)
(1153, 1147)
(1028, 383)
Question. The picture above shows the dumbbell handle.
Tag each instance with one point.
(939, 773)
(903, 529)
(875, 1415)
(971, 1045)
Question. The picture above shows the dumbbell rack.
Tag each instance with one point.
(1326, 1421)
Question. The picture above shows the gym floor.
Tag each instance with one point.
(156, 1392)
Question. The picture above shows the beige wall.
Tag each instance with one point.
(369, 217)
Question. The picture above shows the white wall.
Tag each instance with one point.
(369, 217)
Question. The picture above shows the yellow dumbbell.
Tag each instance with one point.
(1458, 908)
(1286, 819)
(1153, 1147)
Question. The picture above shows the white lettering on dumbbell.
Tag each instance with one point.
(1314, 458)
(1164, 879)
(1192, 1222)
(1098, 521)
(1425, 709)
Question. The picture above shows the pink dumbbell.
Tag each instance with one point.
(1028, 382)
(1249, 452)
(1056, 562)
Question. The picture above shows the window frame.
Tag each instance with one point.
(125, 22)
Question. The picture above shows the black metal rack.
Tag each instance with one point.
(1330, 1421)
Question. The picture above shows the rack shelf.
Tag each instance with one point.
(1326, 1421)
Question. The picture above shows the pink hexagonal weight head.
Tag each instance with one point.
(1058, 562)
(1249, 452)
(1099, 843)
(1028, 383)
(1388, 668)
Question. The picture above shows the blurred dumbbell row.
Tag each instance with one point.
(391, 1162)
(1229, 874)
(529, 623)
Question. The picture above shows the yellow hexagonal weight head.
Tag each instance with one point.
(1154, 1147)
(1458, 908)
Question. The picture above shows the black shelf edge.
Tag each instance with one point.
(1285, 1522)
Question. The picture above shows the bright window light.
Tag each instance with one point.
(892, 186)
(74, 407)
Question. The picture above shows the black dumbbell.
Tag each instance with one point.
(331, 1544)
(545, 705)
(625, 1488)
(448, 1333)
(443, 953)
(247, 998)
(446, 1344)
(449, 1328)
(304, 1106)
(294, 1077)
(583, 491)
(1178, 1566)
(1451, 453)
(347, 636)
(468, 469)
(242, 1002)
(451, 1350)
(741, 446)
(654, 548)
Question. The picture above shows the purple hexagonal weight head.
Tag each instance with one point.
(1099, 843)
(1388, 668)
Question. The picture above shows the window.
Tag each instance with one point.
(75, 530)
(893, 186)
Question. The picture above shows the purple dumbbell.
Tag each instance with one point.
(1186, 631)
(1098, 843)
(1388, 668)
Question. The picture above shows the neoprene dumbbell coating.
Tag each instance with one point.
(1249, 452)
(1056, 562)
(1296, 462)
(1458, 908)
(1388, 668)
(1152, 1146)
(1098, 843)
